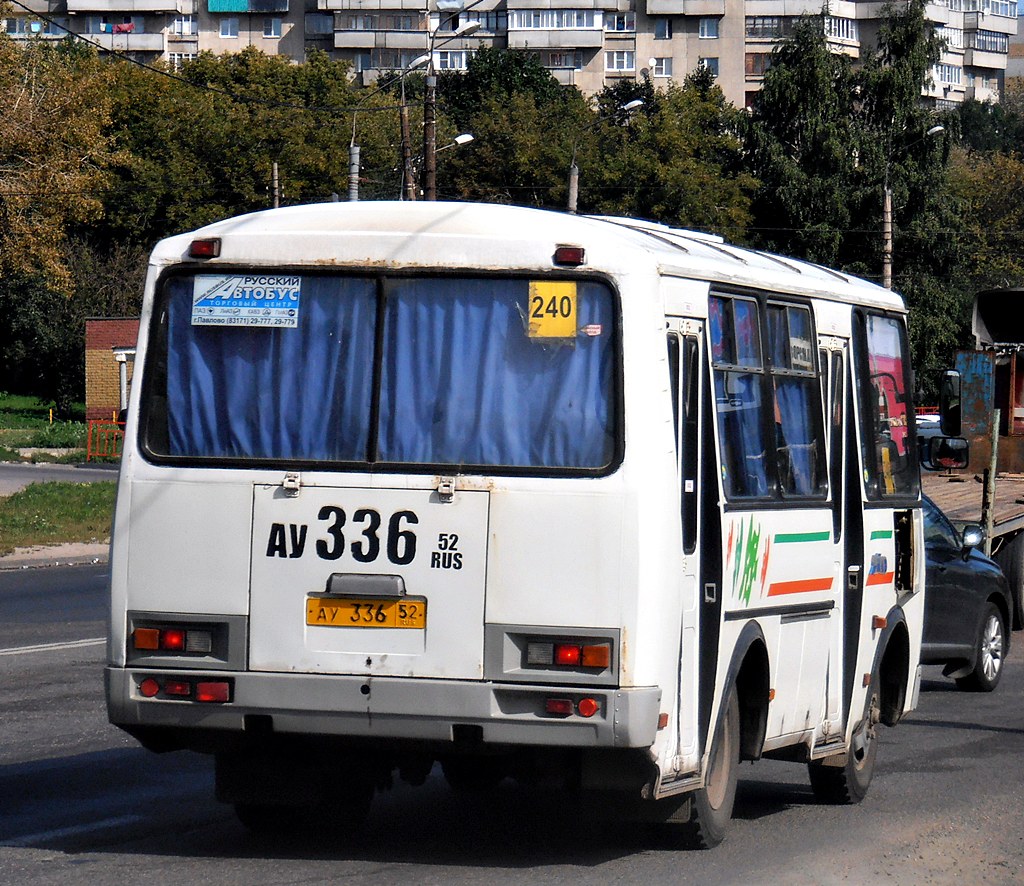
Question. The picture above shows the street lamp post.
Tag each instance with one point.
(430, 108)
(887, 209)
(574, 170)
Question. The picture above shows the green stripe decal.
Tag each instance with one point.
(881, 533)
(792, 537)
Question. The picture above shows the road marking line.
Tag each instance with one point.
(75, 830)
(46, 647)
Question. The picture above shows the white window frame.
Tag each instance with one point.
(226, 26)
(184, 26)
(663, 28)
(707, 28)
(662, 67)
(273, 27)
(711, 63)
(619, 60)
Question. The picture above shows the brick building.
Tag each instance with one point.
(109, 359)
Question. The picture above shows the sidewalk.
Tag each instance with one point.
(73, 553)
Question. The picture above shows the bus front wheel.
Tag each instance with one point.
(840, 782)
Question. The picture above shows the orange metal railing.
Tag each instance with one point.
(104, 440)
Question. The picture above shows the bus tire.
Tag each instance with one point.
(711, 809)
(1011, 559)
(844, 782)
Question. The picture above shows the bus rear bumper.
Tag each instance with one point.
(387, 708)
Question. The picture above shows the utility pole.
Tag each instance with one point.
(408, 182)
(430, 136)
(353, 173)
(887, 236)
(275, 187)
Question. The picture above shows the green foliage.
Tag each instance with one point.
(53, 513)
(494, 75)
(677, 160)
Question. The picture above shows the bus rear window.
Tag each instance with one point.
(447, 372)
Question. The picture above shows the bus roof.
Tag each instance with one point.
(470, 236)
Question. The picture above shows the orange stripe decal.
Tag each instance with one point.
(803, 586)
(881, 578)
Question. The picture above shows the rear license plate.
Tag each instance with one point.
(353, 613)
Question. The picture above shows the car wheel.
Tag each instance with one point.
(990, 647)
(712, 804)
(837, 781)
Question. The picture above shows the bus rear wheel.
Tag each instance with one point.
(836, 782)
(712, 804)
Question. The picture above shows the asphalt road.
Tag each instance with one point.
(16, 476)
(81, 803)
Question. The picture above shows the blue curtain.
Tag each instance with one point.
(741, 428)
(260, 392)
(463, 383)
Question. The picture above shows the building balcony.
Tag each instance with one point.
(555, 38)
(382, 40)
(610, 5)
(374, 5)
(986, 21)
(263, 7)
(133, 42)
(689, 7)
(980, 58)
(132, 7)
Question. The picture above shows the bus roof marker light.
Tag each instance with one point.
(570, 256)
(208, 247)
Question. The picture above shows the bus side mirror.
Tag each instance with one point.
(949, 403)
(945, 452)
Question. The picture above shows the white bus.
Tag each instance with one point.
(517, 493)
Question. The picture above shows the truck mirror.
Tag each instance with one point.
(946, 452)
(949, 403)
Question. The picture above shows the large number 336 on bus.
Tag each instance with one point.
(512, 493)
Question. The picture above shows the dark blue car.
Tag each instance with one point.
(967, 605)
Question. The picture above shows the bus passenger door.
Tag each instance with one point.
(685, 366)
(847, 544)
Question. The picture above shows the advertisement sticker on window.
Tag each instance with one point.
(246, 300)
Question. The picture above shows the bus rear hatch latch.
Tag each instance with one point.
(291, 484)
(446, 490)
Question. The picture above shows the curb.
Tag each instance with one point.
(39, 558)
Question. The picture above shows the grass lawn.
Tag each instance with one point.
(25, 422)
(53, 513)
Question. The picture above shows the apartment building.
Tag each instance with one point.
(587, 43)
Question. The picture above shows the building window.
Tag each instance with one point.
(271, 27)
(494, 22)
(710, 63)
(229, 27)
(620, 60)
(561, 59)
(841, 28)
(177, 59)
(115, 24)
(451, 59)
(663, 29)
(381, 22)
(954, 37)
(708, 29)
(766, 27)
(988, 41)
(662, 67)
(949, 75)
(756, 63)
(184, 26)
(623, 22)
(32, 27)
(318, 23)
(553, 19)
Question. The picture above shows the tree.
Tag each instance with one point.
(803, 143)
(54, 155)
(677, 160)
